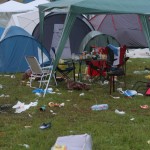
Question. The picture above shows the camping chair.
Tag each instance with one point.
(96, 66)
(39, 72)
(116, 64)
(64, 68)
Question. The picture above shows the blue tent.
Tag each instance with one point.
(1, 30)
(27, 1)
(15, 45)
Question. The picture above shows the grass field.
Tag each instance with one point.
(109, 131)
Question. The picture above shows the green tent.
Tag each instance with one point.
(76, 7)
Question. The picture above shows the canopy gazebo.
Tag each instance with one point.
(77, 7)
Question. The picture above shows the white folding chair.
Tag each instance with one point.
(39, 72)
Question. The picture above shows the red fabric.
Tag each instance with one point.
(122, 54)
(100, 68)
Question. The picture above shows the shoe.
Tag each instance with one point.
(45, 125)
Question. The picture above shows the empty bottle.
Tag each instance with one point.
(100, 107)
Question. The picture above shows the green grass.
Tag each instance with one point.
(108, 130)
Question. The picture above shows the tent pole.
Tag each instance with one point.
(146, 28)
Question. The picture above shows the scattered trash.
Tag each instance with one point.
(141, 72)
(128, 93)
(144, 106)
(82, 94)
(115, 97)
(100, 107)
(59, 93)
(45, 125)
(104, 83)
(119, 112)
(148, 142)
(6, 75)
(74, 85)
(43, 108)
(30, 115)
(57, 90)
(49, 90)
(25, 145)
(12, 76)
(52, 104)
(20, 107)
(132, 119)
(119, 89)
(27, 126)
(1, 86)
(38, 94)
(68, 100)
(140, 94)
(39, 91)
(51, 111)
(3, 95)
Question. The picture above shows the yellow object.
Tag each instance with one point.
(62, 66)
(60, 147)
(147, 77)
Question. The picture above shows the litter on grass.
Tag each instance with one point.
(115, 97)
(1, 86)
(119, 112)
(3, 95)
(100, 107)
(144, 106)
(45, 126)
(82, 94)
(20, 107)
(148, 142)
(13, 76)
(141, 72)
(132, 119)
(128, 93)
(43, 108)
(25, 145)
(39, 91)
(52, 104)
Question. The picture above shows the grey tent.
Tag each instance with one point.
(126, 28)
(96, 38)
(53, 26)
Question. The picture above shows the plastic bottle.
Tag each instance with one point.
(100, 107)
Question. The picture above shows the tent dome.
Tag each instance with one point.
(53, 26)
(15, 45)
(96, 38)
